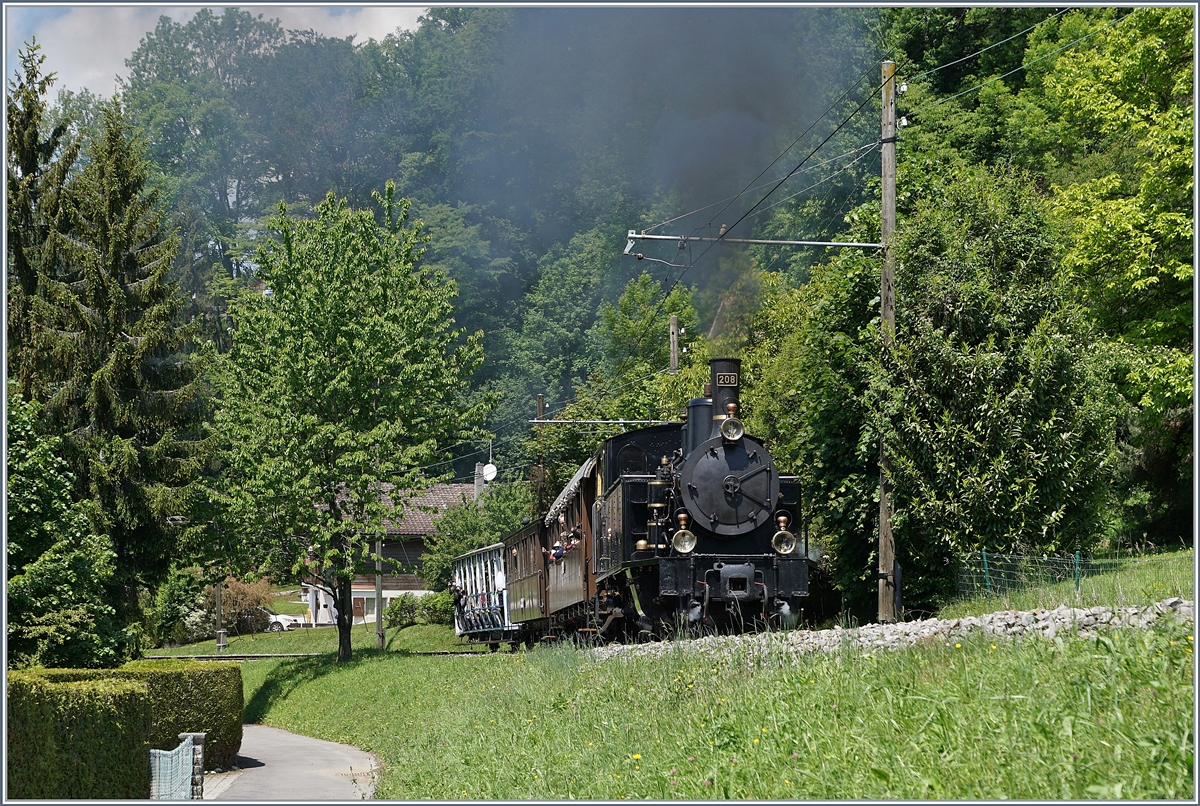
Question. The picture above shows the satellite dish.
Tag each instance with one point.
(489, 471)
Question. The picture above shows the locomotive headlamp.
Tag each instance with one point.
(684, 541)
(784, 542)
(732, 429)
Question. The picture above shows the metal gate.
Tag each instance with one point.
(173, 772)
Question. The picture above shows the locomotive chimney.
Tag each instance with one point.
(725, 379)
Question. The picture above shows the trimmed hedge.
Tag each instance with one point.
(185, 696)
(77, 739)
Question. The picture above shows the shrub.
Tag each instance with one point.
(185, 697)
(437, 608)
(402, 611)
(179, 612)
(242, 605)
(83, 738)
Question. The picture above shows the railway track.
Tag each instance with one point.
(269, 655)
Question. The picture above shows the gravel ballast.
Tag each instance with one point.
(1062, 621)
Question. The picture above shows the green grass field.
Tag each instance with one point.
(1139, 581)
(980, 719)
(418, 638)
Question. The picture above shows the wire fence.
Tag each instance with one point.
(988, 575)
(171, 772)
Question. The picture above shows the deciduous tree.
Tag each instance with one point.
(341, 385)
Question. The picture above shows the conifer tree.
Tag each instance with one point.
(127, 398)
(38, 166)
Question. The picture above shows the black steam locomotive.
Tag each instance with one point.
(665, 529)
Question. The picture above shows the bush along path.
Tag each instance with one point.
(1061, 622)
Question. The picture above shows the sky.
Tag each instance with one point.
(87, 44)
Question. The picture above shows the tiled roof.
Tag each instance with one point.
(418, 520)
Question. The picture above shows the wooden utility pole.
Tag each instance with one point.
(674, 344)
(541, 410)
(379, 631)
(887, 310)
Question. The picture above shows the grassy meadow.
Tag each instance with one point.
(417, 638)
(981, 718)
(1139, 581)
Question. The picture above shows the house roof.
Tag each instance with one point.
(424, 507)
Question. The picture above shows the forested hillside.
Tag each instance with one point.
(1039, 397)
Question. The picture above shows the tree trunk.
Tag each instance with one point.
(345, 618)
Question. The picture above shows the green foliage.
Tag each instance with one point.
(58, 613)
(1130, 246)
(183, 697)
(998, 423)
(341, 385)
(57, 567)
(39, 484)
(40, 157)
(631, 380)
(81, 738)
(402, 611)
(1103, 114)
(129, 402)
(243, 605)
(174, 603)
(806, 378)
(630, 332)
(437, 608)
(474, 524)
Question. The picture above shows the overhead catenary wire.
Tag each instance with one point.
(861, 151)
(756, 205)
(1025, 66)
(933, 70)
(756, 187)
(751, 186)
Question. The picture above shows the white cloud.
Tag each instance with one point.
(87, 45)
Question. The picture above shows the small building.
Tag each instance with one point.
(403, 549)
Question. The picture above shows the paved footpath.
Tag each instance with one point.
(278, 765)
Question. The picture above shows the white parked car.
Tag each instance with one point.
(280, 622)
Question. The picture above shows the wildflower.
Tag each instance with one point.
(672, 772)
(993, 646)
(764, 730)
(958, 646)
(795, 755)
(708, 783)
(636, 756)
(691, 758)
(786, 781)
(756, 741)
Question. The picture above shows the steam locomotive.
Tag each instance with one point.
(666, 529)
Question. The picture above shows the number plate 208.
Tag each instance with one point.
(727, 379)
